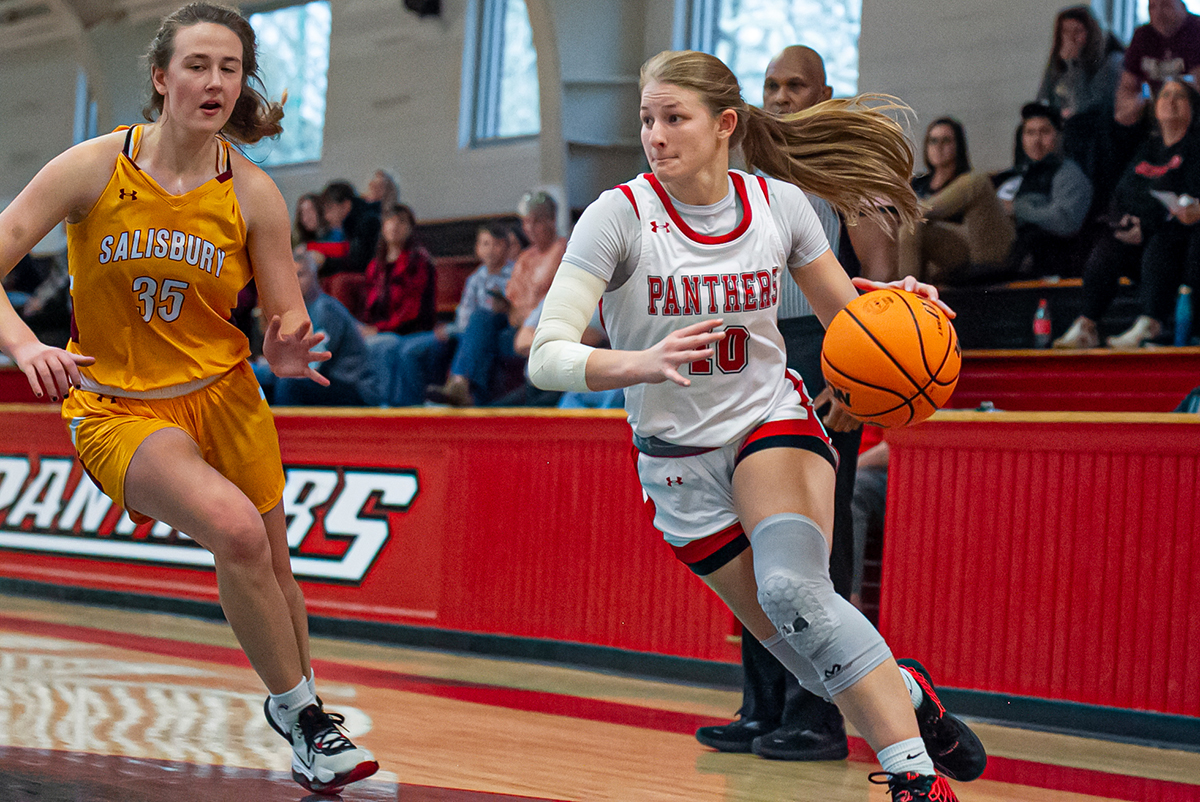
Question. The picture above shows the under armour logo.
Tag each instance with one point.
(654, 224)
(833, 672)
(132, 194)
(678, 480)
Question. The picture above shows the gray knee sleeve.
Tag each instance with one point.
(791, 564)
(800, 666)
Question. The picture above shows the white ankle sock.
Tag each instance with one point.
(914, 688)
(905, 756)
(286, 707)
(312, 681)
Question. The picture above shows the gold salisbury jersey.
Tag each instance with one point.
(154, 280)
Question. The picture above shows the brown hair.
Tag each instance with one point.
(397, 210)
(847, 151)
(1093, 53)
(254, 117)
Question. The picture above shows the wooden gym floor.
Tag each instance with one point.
(104, 705)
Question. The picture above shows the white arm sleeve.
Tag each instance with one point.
(558, 360)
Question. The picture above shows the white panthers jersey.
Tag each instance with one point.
(683, 277)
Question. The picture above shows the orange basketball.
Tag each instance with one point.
(891, 358)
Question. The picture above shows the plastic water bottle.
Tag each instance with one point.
(1183, 316)
(1041, 325)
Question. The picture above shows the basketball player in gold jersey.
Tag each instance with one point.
(166, 223)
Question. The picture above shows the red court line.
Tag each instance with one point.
(1000, 769)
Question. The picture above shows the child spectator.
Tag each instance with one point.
(401, 285)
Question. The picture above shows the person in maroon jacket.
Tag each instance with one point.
(401, 290)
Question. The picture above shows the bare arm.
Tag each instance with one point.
(66, 188)
(826, 286)
(1128, 102)
(288, 341)
(876, 248)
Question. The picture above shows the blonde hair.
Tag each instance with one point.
(254, 117)
(847, 151)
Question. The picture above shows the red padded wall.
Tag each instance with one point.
(1049, 556)
(523, 524)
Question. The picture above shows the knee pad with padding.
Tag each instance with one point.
(791, 565)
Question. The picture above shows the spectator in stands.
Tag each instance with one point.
(488, 338)
(401, 285)
(529, 395)
(1047, 195)
(348, 370)
(536, 265)
(352, 233)
(1083, 70)
(1153, 238)
(1080, 81)
(309, 225)
(382, 191)
(406, 365)
(795, 80)
(966, 234)
(1165, 47)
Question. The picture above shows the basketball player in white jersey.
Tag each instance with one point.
(685, 262)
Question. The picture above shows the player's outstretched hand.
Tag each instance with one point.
(49, 369)
(908, 284)
(682, 347)
(290, 355)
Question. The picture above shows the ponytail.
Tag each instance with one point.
(847, 151)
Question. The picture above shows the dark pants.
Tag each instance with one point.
(304, 392)
(1047, 254)
(485, 344)
(1164, 260)
(770, 691)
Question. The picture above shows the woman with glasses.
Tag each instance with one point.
(965, 234)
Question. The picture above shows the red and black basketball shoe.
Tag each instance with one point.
(955, 750)
(913, 787)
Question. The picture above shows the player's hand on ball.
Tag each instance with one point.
(689, 344)
(908, 284)
(290, 355)
(837, 419)
(49, 369)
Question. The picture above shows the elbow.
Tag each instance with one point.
(541, 375)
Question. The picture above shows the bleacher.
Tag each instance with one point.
(1000, 315)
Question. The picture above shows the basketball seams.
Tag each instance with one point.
(908, 393)
(884, 350)
(920, 334)
(905, 401)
